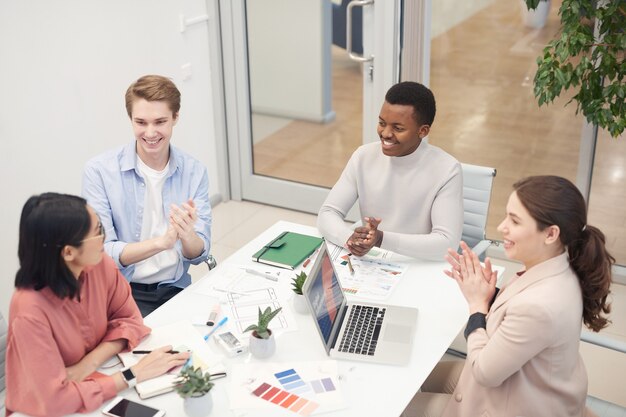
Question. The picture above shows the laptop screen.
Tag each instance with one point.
(325, 294)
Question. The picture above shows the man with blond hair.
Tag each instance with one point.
(152, 198)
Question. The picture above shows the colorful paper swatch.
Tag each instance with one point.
(285, 399)
(323, 385)
(291, 381)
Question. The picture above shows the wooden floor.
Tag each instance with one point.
(481, 75)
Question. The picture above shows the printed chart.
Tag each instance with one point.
(371, 277)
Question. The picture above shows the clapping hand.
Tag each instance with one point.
(477, 282)
(183, 219)
(365, 237)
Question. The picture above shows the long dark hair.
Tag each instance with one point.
(553, 200)
(49, 222)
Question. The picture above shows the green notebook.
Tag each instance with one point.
(288, 250)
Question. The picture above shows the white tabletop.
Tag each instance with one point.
(369, 389)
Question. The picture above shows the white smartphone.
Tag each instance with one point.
(122, 407)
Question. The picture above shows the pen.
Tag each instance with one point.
(145, 352)
(217, 326)
(350, 267)
(265, 275)
(311, 256)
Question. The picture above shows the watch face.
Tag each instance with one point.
(128, 374)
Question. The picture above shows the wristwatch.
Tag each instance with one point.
(129, 377)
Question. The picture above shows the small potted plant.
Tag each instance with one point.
(262, 342)
(299, 303)
(195, 389)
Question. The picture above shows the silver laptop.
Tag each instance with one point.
(357, 331)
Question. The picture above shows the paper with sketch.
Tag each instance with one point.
(241, 294)
(316, 382)
(244, 310)
(234, 279)
(375, 276)
(182, 336)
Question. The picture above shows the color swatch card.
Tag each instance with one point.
(304, 388)
(285, 399)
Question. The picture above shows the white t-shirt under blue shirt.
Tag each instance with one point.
(162, 265)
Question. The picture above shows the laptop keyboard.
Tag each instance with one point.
(362, 330)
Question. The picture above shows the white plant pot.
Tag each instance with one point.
(299, 304)
(198, 406)
(538, 17)
(262, 348)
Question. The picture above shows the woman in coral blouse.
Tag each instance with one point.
(522, 346)
(71, 311)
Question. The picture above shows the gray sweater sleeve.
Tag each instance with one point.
(331, 217)
(447, 224)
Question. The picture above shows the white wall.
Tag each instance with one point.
(289, 57)
(64, 68)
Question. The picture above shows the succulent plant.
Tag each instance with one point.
(298, 283)
(264, 319)
(192, 382)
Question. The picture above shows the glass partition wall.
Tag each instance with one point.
(607, 201)
(482, 68)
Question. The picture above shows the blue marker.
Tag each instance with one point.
(217, 326)
(189, 361)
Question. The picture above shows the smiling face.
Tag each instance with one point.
(523, 241)
(153, 123)
(398, 130)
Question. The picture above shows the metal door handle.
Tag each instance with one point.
(351, 5)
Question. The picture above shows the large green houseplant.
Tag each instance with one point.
(595, 66)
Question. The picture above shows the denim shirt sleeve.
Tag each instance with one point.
(103, 183)
(93, 191)
(199, 193)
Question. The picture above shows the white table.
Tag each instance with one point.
(369, 389)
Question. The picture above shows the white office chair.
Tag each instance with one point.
(3, 351)
(477, 184)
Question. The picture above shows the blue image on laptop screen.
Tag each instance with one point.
(325, 295)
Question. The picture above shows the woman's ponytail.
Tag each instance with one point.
(553, 200)
(592, 264)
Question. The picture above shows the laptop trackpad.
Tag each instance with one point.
(397, 333)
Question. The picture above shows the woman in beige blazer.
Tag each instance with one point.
(523, 342)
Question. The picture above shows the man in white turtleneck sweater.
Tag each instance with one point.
(409, 192)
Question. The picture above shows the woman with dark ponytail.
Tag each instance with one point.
(523, 341)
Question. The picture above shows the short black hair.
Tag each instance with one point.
(49, 222)
(409, 93)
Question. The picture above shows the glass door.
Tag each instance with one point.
(298, 99)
